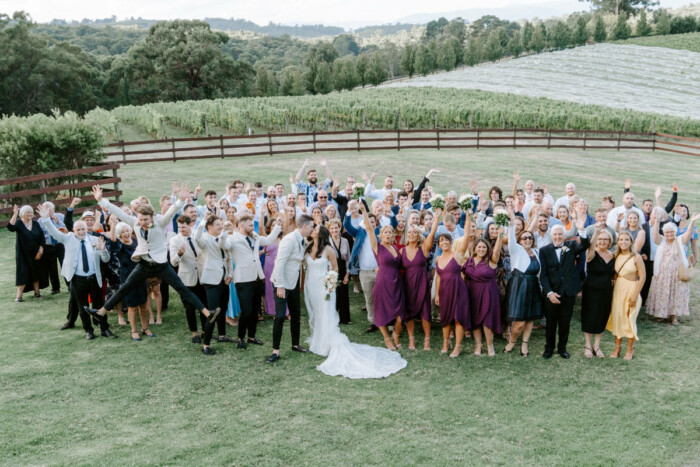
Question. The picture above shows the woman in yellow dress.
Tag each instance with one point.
(626, 302)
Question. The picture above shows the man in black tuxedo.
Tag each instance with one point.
(560, 284)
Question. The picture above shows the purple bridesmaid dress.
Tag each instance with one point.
(270, 257)
(454, 296)
(417, 286)
(484, 298)
(388, 288)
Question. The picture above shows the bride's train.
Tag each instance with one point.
(355, 361)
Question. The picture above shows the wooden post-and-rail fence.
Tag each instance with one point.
(270, 144)
(35, 189)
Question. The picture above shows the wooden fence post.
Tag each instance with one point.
(437, 136)
(549, 139)
(357, 132)
(653, 142)
(364, 120)
(206, 125)
(478, 132)
(42, 184)
(115, 174)
(269, 142)
(514, 136)
(221, 145)
(121, 142)
(172, 142)
(619, 135)
(314, 136)
(584, 140)
(398, 138)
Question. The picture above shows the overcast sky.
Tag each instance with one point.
(346, 13)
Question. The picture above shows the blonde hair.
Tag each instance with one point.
(334, 221)
(618, 249)
(385, 228)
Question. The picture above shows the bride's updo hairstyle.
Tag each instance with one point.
(323, 239)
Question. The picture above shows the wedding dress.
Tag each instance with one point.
(355, 361)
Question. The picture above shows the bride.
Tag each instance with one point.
(347, 359)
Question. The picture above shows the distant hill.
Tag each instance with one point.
(305, 31)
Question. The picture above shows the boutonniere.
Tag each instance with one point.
(564, 249)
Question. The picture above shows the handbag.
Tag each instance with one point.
(685, 273)
(618, 271)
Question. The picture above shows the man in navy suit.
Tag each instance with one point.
(424, 202)
(560, 284)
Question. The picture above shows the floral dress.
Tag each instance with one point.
(668, 294)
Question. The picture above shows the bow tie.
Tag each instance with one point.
(558, 247)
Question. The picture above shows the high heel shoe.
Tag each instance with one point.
(449, 347)
(505, 350)
(616, 352)
(598, 353)
(629, 355)
(397, 342)
(137, 338)
(477, 349)
(457, 351)
(389, 344)
(411, 343)
(426, 344)
(524, 354)
(147, 332)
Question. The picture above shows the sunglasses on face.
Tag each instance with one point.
(527, 238)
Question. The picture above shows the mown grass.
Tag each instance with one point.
(689, 41)
(68, 401)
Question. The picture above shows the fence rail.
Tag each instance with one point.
(271, 144)
(34, 189)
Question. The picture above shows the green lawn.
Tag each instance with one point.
(68, 401)
(689, 41)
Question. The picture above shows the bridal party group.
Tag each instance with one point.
(480, 263)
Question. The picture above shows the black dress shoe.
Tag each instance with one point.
(255, 341)
(196, 340)
(565, 355)
(108, 333)
(89, 336)
(67, 326)
(371, 328)
(208, 351)
(54, 292)
(225, 339)
(92, 311)
(547, 355)
(298, 348)
(272, 358)
(242, 344)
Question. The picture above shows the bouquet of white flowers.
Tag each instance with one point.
(358, 191)
(437, 201)
(465, 202)
(501, 218)
(330, 282)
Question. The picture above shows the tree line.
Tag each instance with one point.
(52, 67)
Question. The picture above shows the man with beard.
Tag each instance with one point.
(311, 187)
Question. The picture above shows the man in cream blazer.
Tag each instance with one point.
(151, 255)
(186, 256)
(244, 246)
(285, 277)
(81, 267)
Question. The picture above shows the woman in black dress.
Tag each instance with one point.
(28, 250)
(342, 251)
(597, 291)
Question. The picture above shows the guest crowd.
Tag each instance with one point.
(481, 264)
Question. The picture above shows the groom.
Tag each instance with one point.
(285, 278)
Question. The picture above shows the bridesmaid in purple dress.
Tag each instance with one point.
(484, 299)
(388, 288)
(268, 215)
(414, 257)
(451, 295)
